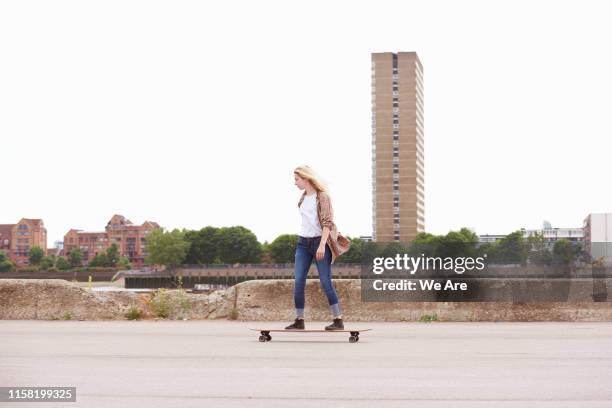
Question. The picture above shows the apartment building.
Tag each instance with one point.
(398, 179)
(130, 240)
(17, 239)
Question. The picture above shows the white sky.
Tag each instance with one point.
(193, 114)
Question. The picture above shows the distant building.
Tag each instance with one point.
(551, 235)
(130, 240)
(489, 238)
(398, 143)
(598, 236)
(17, 239)
(365, 238)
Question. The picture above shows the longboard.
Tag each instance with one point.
(265, 333)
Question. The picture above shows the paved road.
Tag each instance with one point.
(221, 363)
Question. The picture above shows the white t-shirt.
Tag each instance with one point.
(310, 219)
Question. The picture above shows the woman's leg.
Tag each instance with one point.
(325, 272)
(303, 260)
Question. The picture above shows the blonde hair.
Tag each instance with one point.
(306, 172)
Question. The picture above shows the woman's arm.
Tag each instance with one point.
(327, 223)
(321, 249)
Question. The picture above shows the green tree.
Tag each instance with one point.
(47, 262)
(489, 249)
(426, 244)
(76, 257)
(460, 243)
(112, 255)
(124, 263)
(5, 264)
(512, 249)
(238, 245)
(203, 246)
(35, 255)
(167, 248)
(282, 249)
(100, 260)
(537, 251)
(62, 263)
(564, 252)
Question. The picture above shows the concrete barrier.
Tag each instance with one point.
(273, 300)
(270, 300)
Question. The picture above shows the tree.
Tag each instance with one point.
(76, 257)
(5, 264)
(112, 255)
(203, 246)
(35, 255)
(238, 245)
(124, 263)
(282, 249)
(460, 243)
(564, 252)
(100, 260)
(537, 251)
(167, 248)
(48, 262)
(512, 249)
(62, 264)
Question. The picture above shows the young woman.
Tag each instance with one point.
(318, 239)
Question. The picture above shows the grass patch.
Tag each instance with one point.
(160, 304)
(429, 318)
(134, 313)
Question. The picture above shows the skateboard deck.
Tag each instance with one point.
(265, 333)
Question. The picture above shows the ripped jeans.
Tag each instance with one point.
(305, 252)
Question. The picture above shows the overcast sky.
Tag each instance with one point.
(193, 113)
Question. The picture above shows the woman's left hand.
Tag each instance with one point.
(320, 253)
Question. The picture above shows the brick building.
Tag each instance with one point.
(129, 238)
(17, 239)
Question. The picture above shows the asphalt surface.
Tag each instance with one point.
(223, 364)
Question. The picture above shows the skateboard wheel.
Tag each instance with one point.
(268, 337)
(352, 339)
(262, 338)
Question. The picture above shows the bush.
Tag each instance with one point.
(62, 264)
(99, 269)
(124, 263)
(172, 304)
(183, 302)
(67, 315)
(47, 263)
(28, 269)
(134, 313)
(161, 303)
(6, 265)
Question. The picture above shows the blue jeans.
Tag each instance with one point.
(305, 252)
